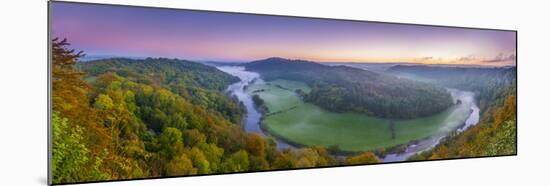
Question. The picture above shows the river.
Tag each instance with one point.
(253, 117)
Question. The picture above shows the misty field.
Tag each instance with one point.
(307, 124)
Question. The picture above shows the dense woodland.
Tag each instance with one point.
(495, 90)
(344, 89)
(126, 118)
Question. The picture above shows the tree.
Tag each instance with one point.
(70, 154)
(170, 142)
(103, 102)
(307, 157)
(255, 145)
(213, 154)
(364, 158)
(199, 160)
(284, 160)
(80, 146)
(237, 162)
(67, 87)
(179, 166)
(193, 137)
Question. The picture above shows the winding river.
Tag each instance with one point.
(253, 117)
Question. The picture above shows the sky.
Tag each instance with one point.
(102, 30)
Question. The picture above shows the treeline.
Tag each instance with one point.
(259, 103)
(343, 89)
(131, 119)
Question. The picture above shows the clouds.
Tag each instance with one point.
(427, 58)
(501, 58)
(467, 58)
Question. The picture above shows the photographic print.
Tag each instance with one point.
(140, 92)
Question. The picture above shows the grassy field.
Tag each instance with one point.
(307, 124)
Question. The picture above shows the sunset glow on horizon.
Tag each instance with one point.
(213, 36)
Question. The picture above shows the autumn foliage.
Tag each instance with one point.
(115, 119)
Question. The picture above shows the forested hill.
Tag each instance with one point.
(342, 89)
(491, 85)
(201, 84)
(162, 71)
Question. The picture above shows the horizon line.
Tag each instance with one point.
(100, 57)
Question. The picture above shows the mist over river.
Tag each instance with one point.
(465, 99)
(253, 116)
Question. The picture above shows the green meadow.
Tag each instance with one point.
(307, 124)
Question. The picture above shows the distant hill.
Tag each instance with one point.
(446, 72)
(87, 58)
(374, 67)
(343, 89)
(383, 66)
(220, 63)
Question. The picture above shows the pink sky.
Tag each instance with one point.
(197, 35)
